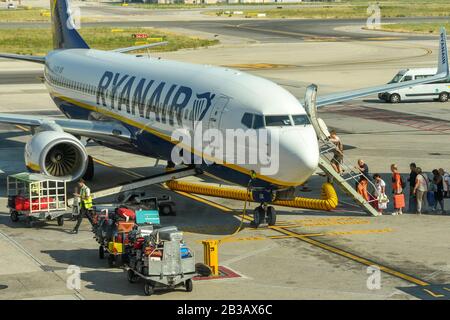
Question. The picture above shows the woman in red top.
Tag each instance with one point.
(397, 190)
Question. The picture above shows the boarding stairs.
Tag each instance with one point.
(350, 176)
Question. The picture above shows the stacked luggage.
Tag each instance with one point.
(161, 258)
(112, 226)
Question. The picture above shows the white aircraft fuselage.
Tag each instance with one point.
(152, 97)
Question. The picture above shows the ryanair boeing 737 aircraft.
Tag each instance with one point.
(134, 104)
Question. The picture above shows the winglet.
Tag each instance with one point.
(443, 65)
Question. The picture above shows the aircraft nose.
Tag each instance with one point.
(299, 154)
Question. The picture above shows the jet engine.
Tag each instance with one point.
(56, 153)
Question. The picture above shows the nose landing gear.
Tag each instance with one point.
(264, 214)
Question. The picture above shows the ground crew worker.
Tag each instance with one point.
(85, 204)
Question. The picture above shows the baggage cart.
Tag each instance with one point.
(174, 267)
(36, 197)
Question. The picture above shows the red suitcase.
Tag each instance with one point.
(399, 201)
(128, 212)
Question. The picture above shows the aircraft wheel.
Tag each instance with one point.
(258, 216)
(443, 97)
(271, 216)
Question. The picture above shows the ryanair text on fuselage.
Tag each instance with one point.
(144, 96)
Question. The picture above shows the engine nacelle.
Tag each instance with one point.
(56, 153)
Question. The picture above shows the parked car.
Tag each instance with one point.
(439, 91)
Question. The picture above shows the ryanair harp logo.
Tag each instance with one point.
(201, 105)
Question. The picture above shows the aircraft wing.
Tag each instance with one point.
(23, 57)
(443, 73)
(107, 131)
(144, 46)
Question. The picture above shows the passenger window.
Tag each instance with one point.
(300, 119)
(273, 121)
(258, 121)
(247, 120)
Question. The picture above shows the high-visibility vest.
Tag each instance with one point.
(86, 202)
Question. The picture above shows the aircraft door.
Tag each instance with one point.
(216, 112)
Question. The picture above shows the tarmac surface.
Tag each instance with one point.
(308, 254)
(264, 30)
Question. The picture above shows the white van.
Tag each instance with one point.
(434, 91)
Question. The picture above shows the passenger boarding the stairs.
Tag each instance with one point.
(362, 188)
(397, 190)
(338, 157)
(380, 193)
(363, 168)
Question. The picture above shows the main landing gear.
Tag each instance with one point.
(264, 214)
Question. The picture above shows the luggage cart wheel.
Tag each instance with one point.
(188, 284)
(60, 221)
(132, 278)
(30, 222)
(111, 259)
(14, 216)
(271, 216)
(101, 252)
(148, 288)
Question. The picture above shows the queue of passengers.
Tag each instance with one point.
(422, 190)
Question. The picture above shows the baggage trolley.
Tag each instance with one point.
(176, 268)
(36, 197)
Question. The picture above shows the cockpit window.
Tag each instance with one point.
(274, 121)
(300, 119)
(247, 120)
(254, 121)
(258, 121)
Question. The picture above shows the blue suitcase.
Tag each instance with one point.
(147, 217)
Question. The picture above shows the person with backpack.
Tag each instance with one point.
(397, 189)
(420, 189)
